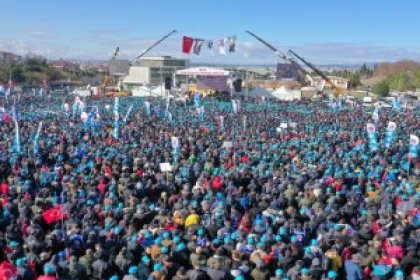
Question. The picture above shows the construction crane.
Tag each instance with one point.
(106, 78)
(337, 91)
(278, 53)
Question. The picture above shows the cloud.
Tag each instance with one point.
(100, 44)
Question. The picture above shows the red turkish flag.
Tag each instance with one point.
(7, 271)
(187, 44)
(53, 214)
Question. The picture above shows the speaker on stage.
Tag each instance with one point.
(237, 85)
(168, 83)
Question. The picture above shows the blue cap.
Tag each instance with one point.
(166, 235)
(48, 269)
(239, 277)
(279, 272)
(180, 247)
(399, 273)
(164, 250)
(145, 260)
(332, 274)
(132, 270)
(304, 270)
(177, 239)
(21, 261)
(200, 231)
(157, 266)
(13, 244)
(117, 230)
(114, 277)
(158, 241)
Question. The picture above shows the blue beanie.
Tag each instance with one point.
(332, 274)
(177, 239)
(21, 261)
(279, 272)
(49, 269)
(145, 260)
(132, 270)
(157, 266)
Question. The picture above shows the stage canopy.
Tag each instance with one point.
(203, 71)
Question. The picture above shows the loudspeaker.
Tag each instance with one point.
(237, 85)
(168, 83)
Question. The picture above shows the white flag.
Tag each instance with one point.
(175, 142)
(222, 49)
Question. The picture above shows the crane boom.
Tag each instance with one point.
(278, 53)
(155, 44)
(336, 89)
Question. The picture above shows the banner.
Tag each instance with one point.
(372, 137)
(35, 145)
(413, 146)
(147, 105)
(116, 117)
(376, 114)
(128, 113)
(236, 105)
(390, 134)
(16, 142)
(222, 123)
(197, 99)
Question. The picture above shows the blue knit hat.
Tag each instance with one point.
(279, 272)
(49, 269)
(132, 270)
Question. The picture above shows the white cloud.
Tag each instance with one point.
(101, 44)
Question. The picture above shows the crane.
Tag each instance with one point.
(337, 91)
(104, 83)
(278, 53)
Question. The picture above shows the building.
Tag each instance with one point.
(7, 56)
(320, 83)
(153, 70)
(287, 71)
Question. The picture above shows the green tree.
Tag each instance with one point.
(399, 82)
(381, 89)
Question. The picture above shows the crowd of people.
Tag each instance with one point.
(243, 197)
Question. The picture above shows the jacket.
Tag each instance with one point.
(353, 270)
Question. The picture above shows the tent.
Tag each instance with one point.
(144, 91)
(286, 94)
(260, 92)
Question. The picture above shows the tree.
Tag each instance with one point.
(381, 89)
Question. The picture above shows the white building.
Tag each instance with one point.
(320, 83)
(153, 70)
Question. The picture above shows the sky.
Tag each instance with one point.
(322, 31)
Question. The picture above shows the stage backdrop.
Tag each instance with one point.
(212, 83)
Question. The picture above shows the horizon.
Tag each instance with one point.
(327, 32)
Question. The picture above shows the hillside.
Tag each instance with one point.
(399, 76)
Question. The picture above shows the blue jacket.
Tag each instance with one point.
(353, 270)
